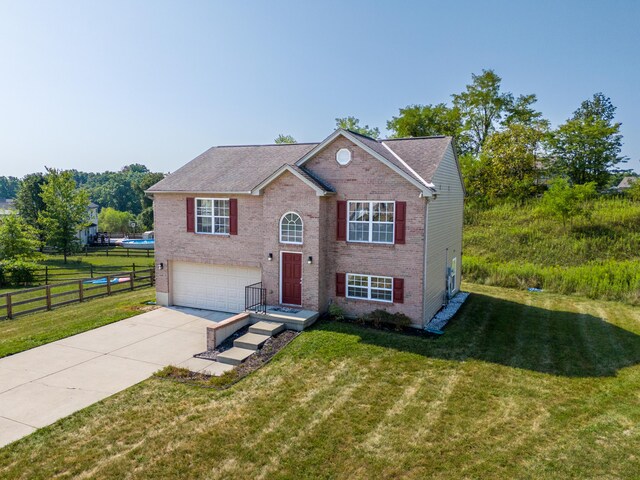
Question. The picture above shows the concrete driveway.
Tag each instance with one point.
(44, 384)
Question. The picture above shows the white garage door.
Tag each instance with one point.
(212, 287)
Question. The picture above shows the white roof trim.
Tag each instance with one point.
(258, 189)
(421, 185)
(406, 165)
(191, 192)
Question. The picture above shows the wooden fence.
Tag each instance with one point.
(31, 300)
(52, 274)
(113, 251)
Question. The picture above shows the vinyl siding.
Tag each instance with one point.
(444, 232)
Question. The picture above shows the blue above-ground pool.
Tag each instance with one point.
(141, 244)
(103, 280)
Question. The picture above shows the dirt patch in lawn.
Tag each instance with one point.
(231, 377)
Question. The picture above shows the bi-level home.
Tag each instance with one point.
(352, 220)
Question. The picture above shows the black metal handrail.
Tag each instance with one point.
(255, 298)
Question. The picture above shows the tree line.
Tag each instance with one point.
(52, 207)
(507, 149)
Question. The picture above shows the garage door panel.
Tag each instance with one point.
(212, 287)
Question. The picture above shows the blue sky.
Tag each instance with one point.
(95, 85)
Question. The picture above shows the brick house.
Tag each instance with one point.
(360, 222)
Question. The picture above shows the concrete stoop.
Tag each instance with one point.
(234, 356)
(249, 343)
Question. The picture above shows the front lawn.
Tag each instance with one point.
(23, 333)
(521, 386)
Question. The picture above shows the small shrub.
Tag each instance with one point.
(20, 272)
(381, 318)
(336, 312)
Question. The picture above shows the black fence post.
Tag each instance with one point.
(46, 274)
(91, 270)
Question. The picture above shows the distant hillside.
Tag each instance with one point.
(521, 247)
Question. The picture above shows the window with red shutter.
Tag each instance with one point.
(233, 216)
(191, 216)
(398, 290)
(341, 284)
(341, 232)
(401, 222)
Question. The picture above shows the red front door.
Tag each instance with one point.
(292, 278)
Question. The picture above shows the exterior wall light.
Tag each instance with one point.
(161, 266)
(270, 257)
(310, 260)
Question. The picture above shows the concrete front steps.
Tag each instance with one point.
(293, 318)
(249, 343)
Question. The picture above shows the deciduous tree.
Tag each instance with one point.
(428, 120)
(18, 240)
(587, 146)
(567, 201)
(284, 139)
(353, 124)
(482, 106)
(111, 220)
(65, 210)
(29, 201)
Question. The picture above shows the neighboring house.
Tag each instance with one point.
(366, 224)
(7, 206)
(626, 183)
(87, 234)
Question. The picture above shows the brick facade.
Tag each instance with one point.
(364, 178)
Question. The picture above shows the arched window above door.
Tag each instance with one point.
(291, 228)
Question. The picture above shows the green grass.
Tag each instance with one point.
(78, 266)
(522, 247)
(521, 386)
(37, 329)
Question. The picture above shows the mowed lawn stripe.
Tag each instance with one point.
(343, 401)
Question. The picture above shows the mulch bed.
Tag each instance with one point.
(226, 345)
(253, 363)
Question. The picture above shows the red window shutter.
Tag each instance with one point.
(341, 284)
(191, 217)
(398, 290)
(341, 233)
(401, 222)
(233, 216)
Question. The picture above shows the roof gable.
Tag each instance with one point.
(377, 150)
(321, 188)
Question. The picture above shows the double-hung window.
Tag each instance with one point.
(371, 222)
(212, 215)
(369, 287)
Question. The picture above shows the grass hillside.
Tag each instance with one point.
(522, 385)
(521, 247)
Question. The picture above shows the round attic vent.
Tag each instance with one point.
(343, 156)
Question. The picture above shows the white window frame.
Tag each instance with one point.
(301, 232)
(213, 216)
(368, 287)
(345, 162)
(453, 275)
(371, 222)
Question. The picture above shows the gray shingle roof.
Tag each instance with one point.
(422, 154)
(626, 182)
(233, 169)
(238, 169)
